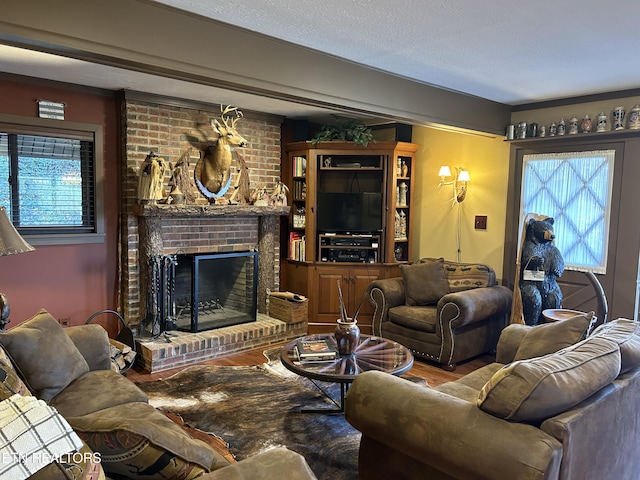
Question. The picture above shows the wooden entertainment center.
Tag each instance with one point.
(350, 220)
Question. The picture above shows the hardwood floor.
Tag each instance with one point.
(433, 374)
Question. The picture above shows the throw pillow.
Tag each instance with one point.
(137, 441)
(82, 464)
(45, 355)
(550, 337)
(626, 333)
(465, 276)
(536, 389)
(424, 283)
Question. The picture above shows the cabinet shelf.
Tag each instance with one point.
(356, 260)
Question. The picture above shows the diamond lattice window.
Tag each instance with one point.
(575, 189)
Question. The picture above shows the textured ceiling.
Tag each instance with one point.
(503, 50)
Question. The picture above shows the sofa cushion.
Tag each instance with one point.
(96, 391)
(422, 318)
(93, 343)
(626, 333)
(425, 282)
(137, 441)
(45, 355)
(550, 337)
(542, 387)
(465, 276)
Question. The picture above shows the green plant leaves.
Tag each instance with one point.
(349, 131)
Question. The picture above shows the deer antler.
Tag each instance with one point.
(229, 109)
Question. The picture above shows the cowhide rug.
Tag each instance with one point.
(257, 408)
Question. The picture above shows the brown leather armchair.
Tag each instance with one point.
(442, 311)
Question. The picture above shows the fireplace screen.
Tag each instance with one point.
(217, 290)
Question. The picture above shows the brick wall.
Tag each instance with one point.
(169, 131)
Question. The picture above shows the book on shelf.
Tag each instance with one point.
(299, 166)
(315, 351)
(296, 246)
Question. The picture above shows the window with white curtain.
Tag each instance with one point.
(575, 189)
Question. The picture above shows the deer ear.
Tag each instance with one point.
(216, 126)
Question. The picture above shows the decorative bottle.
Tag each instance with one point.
(634, 117)
(347, 335)
(403, 193)
(573, 125)
(585, 124)
(601, 122)
(562, 127)
(617, 118)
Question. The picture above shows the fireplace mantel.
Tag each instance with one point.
(151, 217)
(205, 211)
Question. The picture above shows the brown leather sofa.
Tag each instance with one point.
(570, 414)
(70, 369)
(443, 311)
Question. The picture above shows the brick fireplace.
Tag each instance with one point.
(169, 128)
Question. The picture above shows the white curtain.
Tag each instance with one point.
(575, 189)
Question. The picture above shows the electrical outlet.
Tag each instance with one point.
(481, 222)
(64, 321)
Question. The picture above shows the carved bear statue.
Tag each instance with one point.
(542, 264)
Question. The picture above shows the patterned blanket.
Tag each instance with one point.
(32, 435)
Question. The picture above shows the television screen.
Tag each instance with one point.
(339, 212)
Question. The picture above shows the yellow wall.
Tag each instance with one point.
(434, 220)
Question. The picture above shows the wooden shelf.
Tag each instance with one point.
(605, 136)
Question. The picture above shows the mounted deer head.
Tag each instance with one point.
(227, 133)
(213, 170)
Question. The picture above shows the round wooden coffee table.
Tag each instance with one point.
(372, 353)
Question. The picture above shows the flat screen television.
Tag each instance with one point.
(339, 212)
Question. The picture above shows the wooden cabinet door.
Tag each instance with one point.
(354, 281)
(328, 297)
(359, 280)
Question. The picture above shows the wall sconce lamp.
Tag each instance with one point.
(459, 183)
(10, 242)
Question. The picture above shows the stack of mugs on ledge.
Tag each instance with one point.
(575, 126)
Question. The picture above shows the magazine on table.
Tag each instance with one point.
(315, 351)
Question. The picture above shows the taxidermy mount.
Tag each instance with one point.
(212, 173)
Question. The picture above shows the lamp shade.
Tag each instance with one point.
(444, 171)
(10, 240)
(463, 176)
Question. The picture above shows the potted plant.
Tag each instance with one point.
(352, 130)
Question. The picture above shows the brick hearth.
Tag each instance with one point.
(188, 348)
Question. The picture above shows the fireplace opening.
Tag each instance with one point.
(215, 290)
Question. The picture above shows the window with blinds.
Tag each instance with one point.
(48, 182)
(575, 189)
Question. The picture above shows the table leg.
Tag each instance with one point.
(340, 406)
